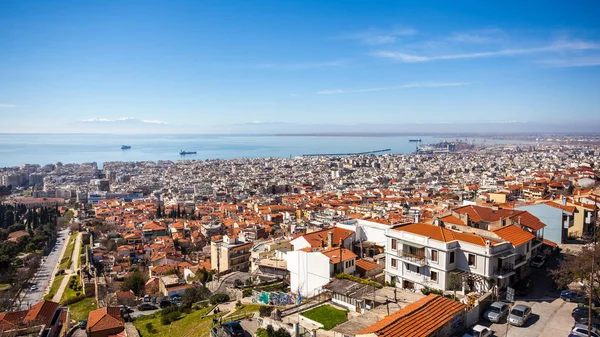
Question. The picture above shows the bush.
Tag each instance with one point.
(260, 332)
(170, 317)
(219, 298)
(426, 291)
(238, 304)
(150, 328)
(73, 300)
(168, 310)
(238, 283)
(247, 292)
(342, 276)
(265, 311)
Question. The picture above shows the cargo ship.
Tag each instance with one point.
(415, 140)
(183, 153)
(125, 147)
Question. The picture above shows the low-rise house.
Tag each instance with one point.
(227, 254)
(559, 218)
(330, 237)
(44, 318)
(105, 322)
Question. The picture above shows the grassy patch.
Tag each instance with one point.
(80, 310)
(54, 288)
(71, 292)
(326, 315)
(189, 325)
(65, 262)
(247, 308)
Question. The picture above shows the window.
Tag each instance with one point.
(394, 244)
(451, 257)
(434, 276)
(434, 255)
(528, 246)
(418, 270)
(394, 263)
(471, 260)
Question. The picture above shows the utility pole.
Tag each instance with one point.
(592, 273)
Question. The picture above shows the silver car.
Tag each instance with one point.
(496, 312)
(519, 315)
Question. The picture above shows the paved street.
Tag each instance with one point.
(71, 271)
(45, 274)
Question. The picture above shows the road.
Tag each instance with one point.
(45, 274)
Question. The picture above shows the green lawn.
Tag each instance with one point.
(54, 288)
(4, 286)
(326, 315)
(70, 292)
(190, 325)
(80, 310)
(246, 308)
(65, 262)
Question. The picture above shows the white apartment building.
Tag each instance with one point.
(422, 255)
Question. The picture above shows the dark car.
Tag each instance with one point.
(83, 324)
(146, 306)
(581, 314)
(234, 329)
(523, 287)
(165, 303)
(572, 296)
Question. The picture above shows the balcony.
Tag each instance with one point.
(414, 277)
(413, 259)
(536, 243)
(520, 260)
(504, 271)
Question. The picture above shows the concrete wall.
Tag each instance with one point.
(309, 272)
(550, 216)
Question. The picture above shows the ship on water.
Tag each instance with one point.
(183, 153)
(418, 140)
(125, 147)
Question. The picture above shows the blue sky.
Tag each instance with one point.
(68, 66)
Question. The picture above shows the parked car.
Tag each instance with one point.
(83, 324)
(572, 296)
(519, 315)
(234, 329)
(496, 312)
(581, 330)
(165, 303)
(146, 306)
(538, 261)
(34, 287)
(478, 331)
(523, 287)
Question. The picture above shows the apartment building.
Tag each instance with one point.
(228, 254)
(422, 255)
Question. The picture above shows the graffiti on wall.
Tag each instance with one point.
(274, 298)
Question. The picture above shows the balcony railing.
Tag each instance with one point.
(520, 259)
(504, 270)
(416, 259)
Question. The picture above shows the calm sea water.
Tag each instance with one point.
(18, 149)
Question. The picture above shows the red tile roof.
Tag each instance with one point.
(318, 239)
(488, 214)
(104, 319)
(550, 243)
(513, 234)
(334, 254)
(451, 219)
(420, 318)
(42, 312)
(366, 264)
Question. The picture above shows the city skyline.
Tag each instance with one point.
(206, 67)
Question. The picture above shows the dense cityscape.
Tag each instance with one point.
(489, 236)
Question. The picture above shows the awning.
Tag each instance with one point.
(506, 255)
(412, 244)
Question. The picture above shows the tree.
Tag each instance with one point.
(9, 218)
(577, 267)
(135, 283)
(454, 282)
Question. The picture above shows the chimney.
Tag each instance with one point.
(330, 239)
(416, 217)
(341, 247)
(564, 201)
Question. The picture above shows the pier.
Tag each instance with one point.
(345, 154)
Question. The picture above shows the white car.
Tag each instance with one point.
(538, 261)
(34, 288)
(478, 331)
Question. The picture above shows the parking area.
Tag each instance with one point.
(551, 316)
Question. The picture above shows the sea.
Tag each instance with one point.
(42, 149)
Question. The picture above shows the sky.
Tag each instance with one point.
(197, 66)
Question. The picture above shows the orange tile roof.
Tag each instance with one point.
(570, 209)
(334, 255)
(451, 219)
(319, 238)
(366, 264)
(441, 234)
(529, 220)
(550, 243)
(513, 234)
(420, 318)
(11, 320)
(41, 311)
(488, 214)
(104, 319)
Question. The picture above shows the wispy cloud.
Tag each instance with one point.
(561, 46)
(123, 119)
(404, 86)
(574, 62)
(6, 106)
(486, 35)
(375, 37)
(302, 66)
